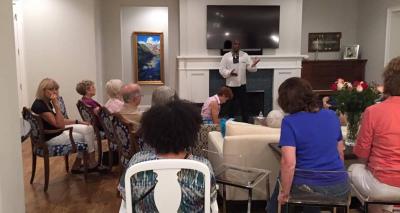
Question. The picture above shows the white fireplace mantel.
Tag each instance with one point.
(194, 73)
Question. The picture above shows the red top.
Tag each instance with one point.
(379, 140)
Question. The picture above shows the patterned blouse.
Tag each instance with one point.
(192, 184)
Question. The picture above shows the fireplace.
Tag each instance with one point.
(199, 77)
(259, 90)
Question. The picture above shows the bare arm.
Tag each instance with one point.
(288, 165)
(57, 119)
(214, 112)
(340, 148)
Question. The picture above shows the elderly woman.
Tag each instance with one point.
(113, 89)
(311, 144)
(46, 105)
(378, 144)
(88, 91)
(212, 106)
(180, 123)
(162, 95)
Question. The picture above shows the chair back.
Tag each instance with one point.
(126, 138)
(167, 192)
(86, 112)
(62, 106)
(37, 131)
(202, 140)
(106, 121)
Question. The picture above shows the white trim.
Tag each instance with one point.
(390, 12)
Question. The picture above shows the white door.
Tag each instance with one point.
(392, 34)
(22, 94)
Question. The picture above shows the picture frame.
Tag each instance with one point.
(148, 57)
(324, 42)
(351, 51)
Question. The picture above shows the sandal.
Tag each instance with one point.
(77, 171)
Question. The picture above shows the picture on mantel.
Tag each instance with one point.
(324, 42)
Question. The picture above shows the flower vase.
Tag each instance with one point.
(353, 124)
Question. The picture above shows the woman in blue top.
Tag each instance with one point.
(311, 144)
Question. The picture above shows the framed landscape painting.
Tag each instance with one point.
(148, 57)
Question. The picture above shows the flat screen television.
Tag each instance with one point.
(255, 27)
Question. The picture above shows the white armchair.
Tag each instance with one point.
(251, 143)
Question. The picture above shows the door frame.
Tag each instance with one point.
(390, 12)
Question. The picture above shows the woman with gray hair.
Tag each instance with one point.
(163, 95)
(113, 89)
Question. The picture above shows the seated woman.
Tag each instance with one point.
(378, 144)
(212, 106)
(113, 89)
(179, 122)
(311, 143)
(88, 91)
(47, 106)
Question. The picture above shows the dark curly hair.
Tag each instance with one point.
(391, 77)
(295, 95)
(171, 128)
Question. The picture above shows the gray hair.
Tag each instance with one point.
(162, 95)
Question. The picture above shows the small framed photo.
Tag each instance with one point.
(351, 52)
(148, 57)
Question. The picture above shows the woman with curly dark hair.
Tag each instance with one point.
(311, 143)
(378, 144)
(170, 129)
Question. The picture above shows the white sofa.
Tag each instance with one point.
(246, 145)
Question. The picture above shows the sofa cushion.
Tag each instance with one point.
(239, 128)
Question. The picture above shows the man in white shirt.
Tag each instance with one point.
(233, 67)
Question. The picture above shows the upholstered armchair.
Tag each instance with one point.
(251, 143)
(41, 149)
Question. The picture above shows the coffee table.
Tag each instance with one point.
(245, 178)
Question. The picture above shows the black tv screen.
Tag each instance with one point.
(254, 26)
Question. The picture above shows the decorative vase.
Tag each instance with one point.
(353, 124)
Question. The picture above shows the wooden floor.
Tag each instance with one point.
(68, 192)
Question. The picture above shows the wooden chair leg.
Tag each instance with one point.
(85, 164)
(33, 167)
(66, 163)
(110, 157)
(46, 173)
(100, 148)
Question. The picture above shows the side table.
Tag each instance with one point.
(245, 178)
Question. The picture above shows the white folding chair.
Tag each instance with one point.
(167, 192)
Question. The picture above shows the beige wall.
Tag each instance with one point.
(60, 43)
(329, 16)
(11, 184)
(112, 40)
(372, 34)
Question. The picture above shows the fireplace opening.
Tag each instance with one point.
(259, 91)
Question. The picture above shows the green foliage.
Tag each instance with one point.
(349, 100)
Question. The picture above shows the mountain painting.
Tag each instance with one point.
(148, 54)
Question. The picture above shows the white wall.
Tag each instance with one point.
(393, 34)
(60, 43)
(371, 33)
(143, 19)
(329, 16)
(113, 49)
(11, 183)
(193, 25)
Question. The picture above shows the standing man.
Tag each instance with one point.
(233, 67)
